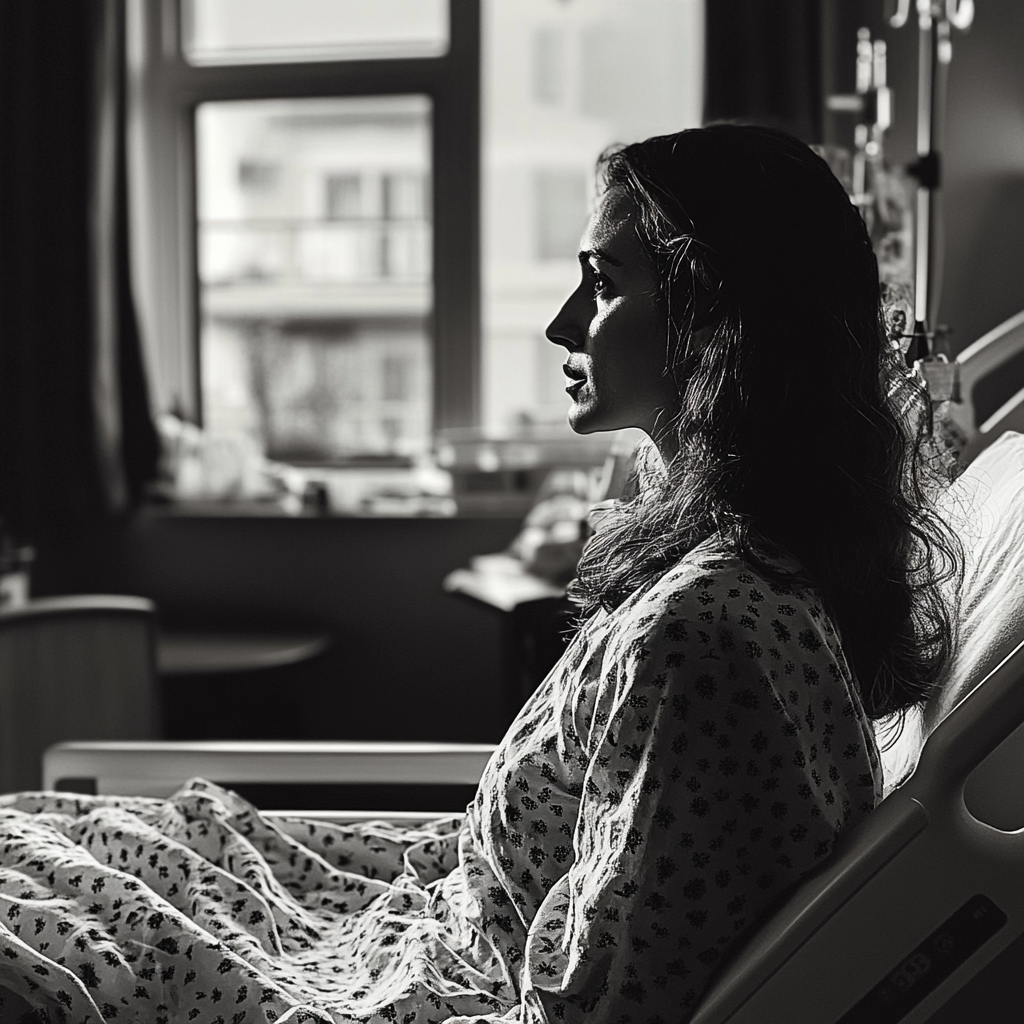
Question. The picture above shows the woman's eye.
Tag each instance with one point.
(600, 284)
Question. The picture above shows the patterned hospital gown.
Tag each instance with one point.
(694, 752)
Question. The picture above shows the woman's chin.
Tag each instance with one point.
(578, 429)
(583, 420)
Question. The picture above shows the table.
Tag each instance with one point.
(236, 684)
(194, 652)
(536, 619)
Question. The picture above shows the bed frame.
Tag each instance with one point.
(157, 769)
(989, 355)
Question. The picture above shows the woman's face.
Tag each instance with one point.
(612, 329)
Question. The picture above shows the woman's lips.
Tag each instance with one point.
(577, 379)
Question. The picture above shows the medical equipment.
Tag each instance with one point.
(935, 21)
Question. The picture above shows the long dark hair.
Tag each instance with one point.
(800, 431)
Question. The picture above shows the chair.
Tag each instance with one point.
(80, 667)
(975, 367)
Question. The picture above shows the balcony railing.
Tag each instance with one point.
(313, 252)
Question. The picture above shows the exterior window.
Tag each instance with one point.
(560, 207)
(548, 64)
(298, 302)
(257, 175)
(344, 196)
(404, 209)
(398, 369)
(269, 31)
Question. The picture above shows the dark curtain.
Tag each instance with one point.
(77, 441)
(763, 64)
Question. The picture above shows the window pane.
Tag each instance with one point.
(314, 265)
(562, 81)
(259, 31)
(559, 200)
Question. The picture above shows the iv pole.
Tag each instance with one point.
(935, 19)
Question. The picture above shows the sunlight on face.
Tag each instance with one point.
(613, 330)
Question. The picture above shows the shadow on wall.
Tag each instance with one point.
(983, 169)
(985, 246)
(407, 660)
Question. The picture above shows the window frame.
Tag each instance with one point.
(164, 92)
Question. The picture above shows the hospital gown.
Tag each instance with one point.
(694, 752)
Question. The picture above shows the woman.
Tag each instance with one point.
(770, 590)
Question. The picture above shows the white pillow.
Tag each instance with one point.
(985, 505)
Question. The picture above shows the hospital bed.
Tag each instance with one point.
(919, 913)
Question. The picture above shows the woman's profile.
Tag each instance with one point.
(770, 591)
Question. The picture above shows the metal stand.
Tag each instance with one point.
(935, 21)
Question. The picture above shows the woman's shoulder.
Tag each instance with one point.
(719, 601)
(730, 640)
(716, 571)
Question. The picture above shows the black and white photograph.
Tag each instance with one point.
(511, 511)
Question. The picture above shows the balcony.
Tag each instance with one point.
(315, 269)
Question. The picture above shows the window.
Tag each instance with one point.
(297, 165)
(359, 215)
(548, 64)
(344, 196)
(304, 298)
(562, 80)
(560, 202)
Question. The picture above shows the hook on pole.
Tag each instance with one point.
(960, 13)
(901, 14)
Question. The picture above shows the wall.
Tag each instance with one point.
(984, 200)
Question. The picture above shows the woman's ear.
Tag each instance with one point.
(700, 338)
(694, 345)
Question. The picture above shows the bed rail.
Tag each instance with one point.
(159, 768)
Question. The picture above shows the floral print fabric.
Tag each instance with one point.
(693, 753)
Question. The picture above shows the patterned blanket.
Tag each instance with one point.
(198, 908)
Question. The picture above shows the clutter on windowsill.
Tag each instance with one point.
(15, 572)
(208, 474)
(554, 531)
(542, 558)
(503, 474)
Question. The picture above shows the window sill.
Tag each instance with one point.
(511, 508)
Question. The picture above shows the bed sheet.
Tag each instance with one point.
(199, 908)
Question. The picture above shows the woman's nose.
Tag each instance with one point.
(565, 330)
